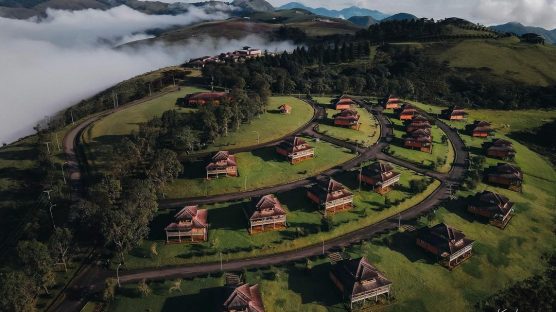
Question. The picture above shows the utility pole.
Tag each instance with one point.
(221, 266)
(360, 175)
(52, 216)
(323, 246)
(258, 137)
(118, 274)
(399, 220)
(174, 80)
(72, 120)
(57, 142)
(63, 173)
(150, 90)
(47, 147)
(212, 83)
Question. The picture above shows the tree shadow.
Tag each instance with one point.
(314, 286)
(208, 299)
(459, 208)
(405, 244)
(230, 217)
(159, 222)
(296, 200)
(268, 154)
(18, 154)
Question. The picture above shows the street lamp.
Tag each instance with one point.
(258, 137)
(51, 216)
(63, 173)
(118, 274)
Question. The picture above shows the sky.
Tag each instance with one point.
(488, 12)
(50, 65)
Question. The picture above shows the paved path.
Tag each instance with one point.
(93, 278)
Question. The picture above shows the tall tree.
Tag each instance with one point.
(17, 292)
(60, 243)
(37, 263)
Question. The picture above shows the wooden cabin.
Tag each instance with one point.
(190, 226)
(296, 150)
(206, 98)
(419, 139)
(265, 214)
(390, 102)
(285, 109)
(454, 113)
(481, 129)
(406, 112)
(359, 281)
(243, 298)
(331, 196)
(347, 118)
(223, 163)
(498, 209)
(449, 245)
(418, 122)
(381, 176)
(499, 148)
(506, 176)
(343, 102)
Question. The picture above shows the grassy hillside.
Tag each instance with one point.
(508, 58)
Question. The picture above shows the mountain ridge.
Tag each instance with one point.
(520, 29)
(345, 13)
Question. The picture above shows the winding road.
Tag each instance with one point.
(91, 278)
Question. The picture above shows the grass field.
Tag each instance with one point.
(259, 168)
(367, 135)
(440, 150)
(501, 257)
(532, 64)
(228, 225)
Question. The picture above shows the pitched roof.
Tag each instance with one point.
(492, 202)
(295, 144)
(445, 238)
(380, 171)
(198, 218)
(222, 159)
(358, 276)
(266, 206)
(508, 171)
(330, 189)
(347, 114)
(285, 107)
(244, 298)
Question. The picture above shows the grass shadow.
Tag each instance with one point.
(209, 299)
(314, 286)
(404, 243)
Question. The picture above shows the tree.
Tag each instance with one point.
(60, 243)
(164, 168)
(185, 139)
(143, 288)
(17, 292)
(109, 292)
(175, 286)
(37, 263)
(417, 185)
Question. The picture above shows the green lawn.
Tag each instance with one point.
(228, 231)
(439, 150)
(367, 135)
(257, 169)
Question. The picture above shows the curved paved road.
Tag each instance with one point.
(94, 278)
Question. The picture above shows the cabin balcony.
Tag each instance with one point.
(458, 257)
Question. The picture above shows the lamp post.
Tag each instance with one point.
(63, 173)
(258, 137)
(118, 274)
(52, 216)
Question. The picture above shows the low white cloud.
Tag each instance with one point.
(49, 65)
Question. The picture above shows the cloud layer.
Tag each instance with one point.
(49, 65)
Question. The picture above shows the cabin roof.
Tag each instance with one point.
(445, 238)
(380, 171)
(244, 298)
(358, 276)
(220, 159)
(295, 144)
(508, 171)
(329, 190)
(198, 218)
(492, 202)
(265, 206)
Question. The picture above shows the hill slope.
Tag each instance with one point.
(363, 21)
(520, 29)
(400, 17)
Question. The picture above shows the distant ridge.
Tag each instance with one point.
(520, 29)
(344, 13)
(400, 17)
(363, 21)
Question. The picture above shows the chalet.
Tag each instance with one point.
(505, 175)
(243, 298)
(381, 176)
(481, 129)
(285, 109)
(331, 196)
(191, 225)
(497, 208)
(223, 163)
(343, 102)
(265, 213)
(454, 113)
(296, 150)
(499, 148)
(420, 139)
(418, 122)
(390, 103)
(358, 280)
(206, 98)
(347, 118)
(406, 112)
(449, 245)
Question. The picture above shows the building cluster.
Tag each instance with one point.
(417, 127)
(348, 117)
(200, 99)
(238, 56)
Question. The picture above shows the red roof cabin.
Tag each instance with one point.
(449, 245)
(481, 129)
(406, 112)
(343, 102)
(206, 98)
(191, 226)
(391, 103)
(296, 150)
(506, 176)
(358, 281)
(223, 163)
(381, 176)
(285, 109)
(347, 118)
(243, 298)
(266, 214)
(331, 196)
(499, 148)
(454, 113)
(498, 209)
(418, 122)
(419, 139)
